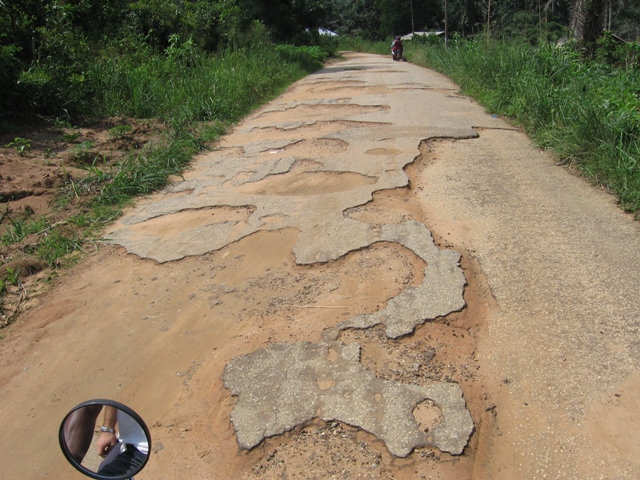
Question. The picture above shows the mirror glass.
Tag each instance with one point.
(105, 440)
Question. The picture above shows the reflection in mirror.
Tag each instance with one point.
(105, 440)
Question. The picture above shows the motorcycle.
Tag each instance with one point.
(105, 440)
(396, 49)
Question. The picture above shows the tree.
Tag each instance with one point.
(289, 19)
(587, 22)
(380, 19)
(359, 18)
(396, 16)
(624, 18)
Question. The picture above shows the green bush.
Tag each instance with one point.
(618, 54)
(432, 40)
(304, 54)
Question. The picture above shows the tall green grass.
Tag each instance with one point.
(587, 112)
(360, 45)
(221, 87)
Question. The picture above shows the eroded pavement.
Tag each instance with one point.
(304, 165)
(370, 277)
(283, 386)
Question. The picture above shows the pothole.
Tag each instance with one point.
(336, 83)
(169, 226)
(428, 415)
(351, 90)
(229, 152)
(273, 219)
(411, 361)
(244, 176)
(323, 111)
(383, 151)
(322, 450)
(318, 128)
(179, 193)
(307, 183)
(316, 147)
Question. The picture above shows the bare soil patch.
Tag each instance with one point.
(41, 169)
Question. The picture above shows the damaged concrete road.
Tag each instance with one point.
(283, 386)
(262, 174)
(304, 164)
(372, 230)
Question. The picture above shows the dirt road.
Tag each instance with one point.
(368, 221)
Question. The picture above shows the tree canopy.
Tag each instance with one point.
(377, 19)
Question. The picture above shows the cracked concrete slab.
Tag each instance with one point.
(318, 217)
(283, 386)
(286, 385)
(262, 170)
(439, 294)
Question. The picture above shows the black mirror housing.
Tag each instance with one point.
(121, 440)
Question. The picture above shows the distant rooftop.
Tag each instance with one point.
(409, 36)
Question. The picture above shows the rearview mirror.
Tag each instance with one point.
(105, 440)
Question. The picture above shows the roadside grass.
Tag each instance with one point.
(223, 87)
(360, 45)
(195, 96)
(586, 112)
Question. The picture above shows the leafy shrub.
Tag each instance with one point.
(328, 44)
(301, 54)
(21, 145)
(184, 53)
(56, 81)
(432, 40)
(615, 53)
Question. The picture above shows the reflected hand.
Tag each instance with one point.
(106, 441)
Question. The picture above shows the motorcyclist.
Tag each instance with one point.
(396, 48)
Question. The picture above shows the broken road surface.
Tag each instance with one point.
(370, 277)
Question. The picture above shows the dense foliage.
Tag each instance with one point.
(507, 19)
(49, 48)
